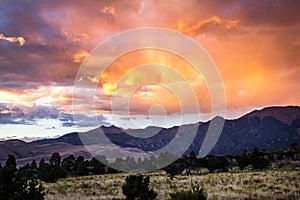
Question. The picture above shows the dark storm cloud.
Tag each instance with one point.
(12, 115)
(29, 116)
(47, 54)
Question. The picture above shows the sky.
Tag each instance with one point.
(254, 44)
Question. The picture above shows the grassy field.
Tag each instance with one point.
(268, 184)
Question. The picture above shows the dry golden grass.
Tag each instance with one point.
(269, 184)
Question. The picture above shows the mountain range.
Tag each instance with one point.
(271, 128)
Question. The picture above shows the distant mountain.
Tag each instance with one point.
(70, 138)
(26, 152)
(271, 128)
(18, 148)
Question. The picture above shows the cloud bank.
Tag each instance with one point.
(255, 45)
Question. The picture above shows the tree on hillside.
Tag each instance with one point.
(69, 165)
(11, 162)
(33, 164)
(27, 172)
(42, 162)
(55, 159)
(81, 166)
(13, 187)
(97, 167)
(50, 172)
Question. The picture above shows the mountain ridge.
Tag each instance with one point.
(271, 128)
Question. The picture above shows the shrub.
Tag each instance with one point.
(175, 168)
(217, 163)
(196, 193)
(137, 188)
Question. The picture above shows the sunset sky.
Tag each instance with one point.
(254, 44)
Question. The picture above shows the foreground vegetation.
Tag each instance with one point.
(70, 166)
(14, 187)
(269, 184)
(252, 175)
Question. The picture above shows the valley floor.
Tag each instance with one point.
(269, 184)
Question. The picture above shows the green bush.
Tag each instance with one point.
(196, 193)
(137, 188)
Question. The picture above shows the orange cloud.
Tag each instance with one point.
(78, 57)
(108, 88)
(195, 29)
(76, 38)
(127, 76)
(108, 9)
(231, 23)
(55, 95)
(20, 40)
(256, 49)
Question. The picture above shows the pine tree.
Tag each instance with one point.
(13, 187)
